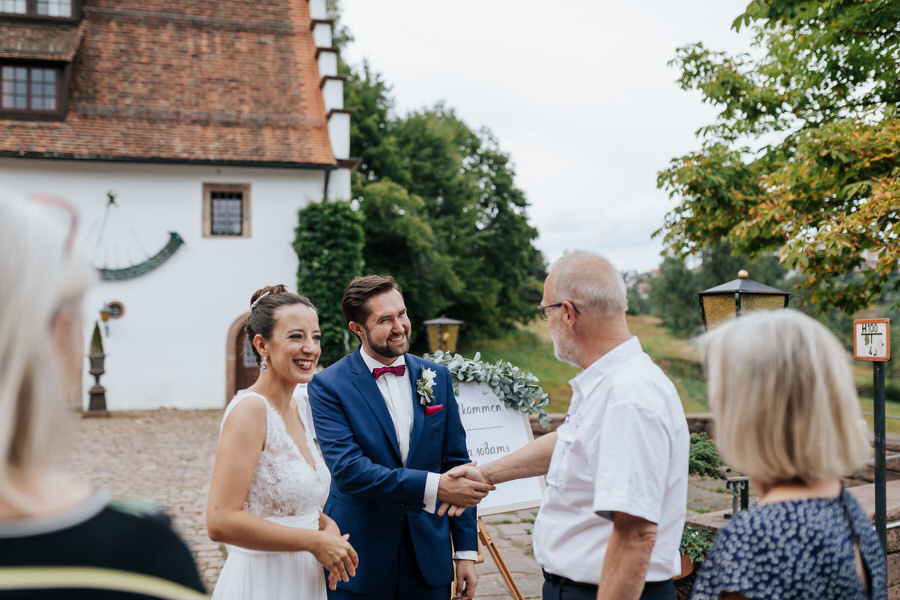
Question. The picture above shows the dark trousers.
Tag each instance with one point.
(403, 582)
(562, 588)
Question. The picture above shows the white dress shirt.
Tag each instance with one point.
(623, 448)
(397, 392)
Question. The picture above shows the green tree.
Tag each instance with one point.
(478, 215)
(673, 295)
(371, 138)
(329, 246)
(442, 213)
(826, 194)
(399, 241)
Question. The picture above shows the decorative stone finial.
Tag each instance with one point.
(743, 274)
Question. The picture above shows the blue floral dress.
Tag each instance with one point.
(795, 550)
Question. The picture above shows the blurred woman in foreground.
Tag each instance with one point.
(59, 538)
(787, 416)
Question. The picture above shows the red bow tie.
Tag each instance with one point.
(396, 370)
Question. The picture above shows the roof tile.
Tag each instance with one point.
(186, 81)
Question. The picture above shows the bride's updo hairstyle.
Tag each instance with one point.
(43, 276)
(263, 304)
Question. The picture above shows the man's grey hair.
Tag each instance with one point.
(591, 282)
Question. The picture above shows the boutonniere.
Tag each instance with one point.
(425, 386)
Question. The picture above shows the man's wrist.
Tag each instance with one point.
(486, 473)
(432, 484)
(469, 555)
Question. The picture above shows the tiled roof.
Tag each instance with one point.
(41, 41)
(186, 81)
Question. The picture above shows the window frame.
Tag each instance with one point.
(208, 190)
(63, 75)
(32, 14)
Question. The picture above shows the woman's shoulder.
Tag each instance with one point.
(767, 548)
(766, 528)
(146, 531)
(126, 535)
(246, 404)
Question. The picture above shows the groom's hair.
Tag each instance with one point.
(358, 293)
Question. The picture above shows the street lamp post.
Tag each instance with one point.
(443, 333)
(726, 301)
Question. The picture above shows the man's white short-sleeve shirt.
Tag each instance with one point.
(623, 448)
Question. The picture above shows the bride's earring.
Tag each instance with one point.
(264, 365)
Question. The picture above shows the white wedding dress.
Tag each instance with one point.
(288, 491)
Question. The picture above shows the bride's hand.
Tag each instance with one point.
(336, 554)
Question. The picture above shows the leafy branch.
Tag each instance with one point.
(514, 387)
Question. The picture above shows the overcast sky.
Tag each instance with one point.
(576, 91)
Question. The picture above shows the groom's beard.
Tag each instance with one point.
(389, 349)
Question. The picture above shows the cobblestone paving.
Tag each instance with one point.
(167, 456)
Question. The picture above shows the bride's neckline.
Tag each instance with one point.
(312, 465)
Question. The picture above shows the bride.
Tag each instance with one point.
(269, 481)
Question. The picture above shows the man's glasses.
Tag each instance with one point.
(543, 309)
(69, 209)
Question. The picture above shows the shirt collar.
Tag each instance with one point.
(372, 364)
(585, 382)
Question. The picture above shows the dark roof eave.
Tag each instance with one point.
(183, 161)
(742, 286)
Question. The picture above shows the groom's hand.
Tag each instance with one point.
(465, 580)
(469, 471)
(457, 490)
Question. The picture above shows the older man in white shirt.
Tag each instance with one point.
(610, 523)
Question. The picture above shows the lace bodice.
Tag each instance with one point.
(284, 484)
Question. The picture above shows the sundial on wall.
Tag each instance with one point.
(122, 238)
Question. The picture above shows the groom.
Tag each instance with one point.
(389, 428)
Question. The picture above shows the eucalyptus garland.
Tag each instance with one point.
(515, 387)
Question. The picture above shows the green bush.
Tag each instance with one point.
(329, 246)
(704, 458)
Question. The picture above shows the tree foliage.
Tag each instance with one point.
(439, 209)
(442, 212)
(329, 246)
(673, 293)
(826, 195)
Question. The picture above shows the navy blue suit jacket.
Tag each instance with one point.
(372, 492)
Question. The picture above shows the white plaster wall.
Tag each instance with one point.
(317, 9)
(339, 132)
(169, 348)
(333, 94)
(322, 35)
(339, 185)
(327, 63)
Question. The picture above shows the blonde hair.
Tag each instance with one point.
(591, 282)
(41, 273)
(783, 396)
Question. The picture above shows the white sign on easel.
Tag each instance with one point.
(492, 431)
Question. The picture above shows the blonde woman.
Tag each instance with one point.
(787, 416)
(59, 538)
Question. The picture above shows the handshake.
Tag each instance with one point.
(462, 487)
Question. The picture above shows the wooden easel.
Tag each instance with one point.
(485, 538)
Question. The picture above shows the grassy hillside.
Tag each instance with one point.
(530, 349)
